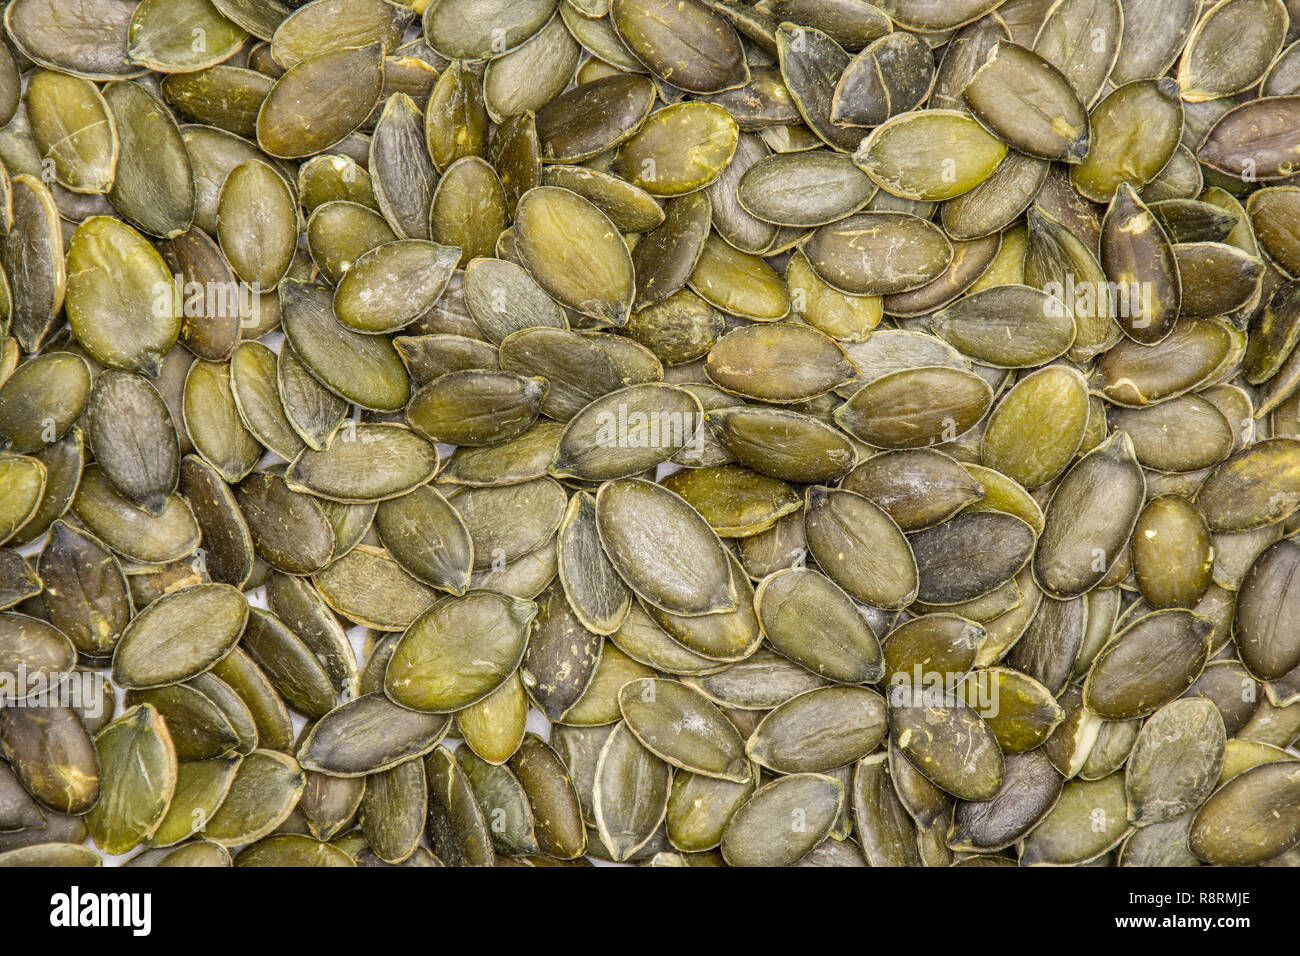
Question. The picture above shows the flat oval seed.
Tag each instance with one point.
(153, 185)
(85, 592)
(1252, 818)
(482, 29)
(121, 298)
(1089, 519)
(257, 224)
(804, 189)
(1036, 431)
(379, 462)
(459, 651)
(294, 122)
(43, 398)
(626, 432)
(819, 730)
(368, 735)
(947, 741)
(427, 537)
(918, 488)
(630, 794)
(916, 407)
(878, 253)
(1145, 111)
(681, 148)
(1172, 553)
(365, 369)
(1029, 103)
(780, 363)
(139, 771)
(1175, 761)
(970, 555)
(860, 548)
(686, 44)
(738, 282)
(1256, 487)
(661, 547)
(680, 725)
(1007, 326)
(594, 117)
(1029, 791)
(163, 32)
(1257, 138)
(760, 833)
(591, 583)
(265, 790)
(929, 155)
(1264, 625)
(213, 424)
(786, 445)
(1148, 664)
(131, 532)
(1253, 29)
(253, 380)
(575, 253)
(180, 635)
(289, 530)
(473, 408)
(100, 53)
(73, 130)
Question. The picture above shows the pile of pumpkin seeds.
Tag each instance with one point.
(672, 432)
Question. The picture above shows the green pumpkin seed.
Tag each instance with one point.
(782, 821)
(1055, 127)
(878, 253)
(42, 400)
(139, 772)
(929, 155)
(428, 538)
(121, 298)
(73, 130)
(228, 544)
(1110, 160)
(476, 407)
(1083, 534)
(289, 664)
(253, 382)
(594, 117)
(503, 298)
(1250, 819)
(153, 651)
(437, 669)
(1169, 648)
(1252, 489)
(136, 534)
(860, 548)
(680, 725)
(257, 224)
(574, 252)
(213, 423)
(686, 44)
(1172, 554)
(293, 121)
(153, 185)
(368, 735)
(630, 794)
(1029, 791)
(162, 36)
(688, 574)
